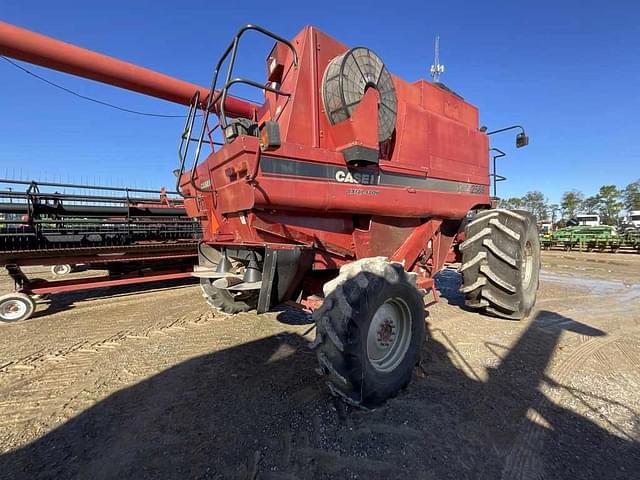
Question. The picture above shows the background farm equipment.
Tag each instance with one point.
(347, 188)
(107, 216)
(593, 238)
(136, 235)
(631, 238)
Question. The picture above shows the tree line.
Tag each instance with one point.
(610, 202)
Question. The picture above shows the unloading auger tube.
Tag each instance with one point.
(37, 49)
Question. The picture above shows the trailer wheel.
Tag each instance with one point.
(16, 306)
(225, 301)
(62, 269)
(501, 263)
(370, 330)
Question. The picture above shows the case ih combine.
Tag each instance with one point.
(347, 189)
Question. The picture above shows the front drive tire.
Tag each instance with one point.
(370, 331)
(225, 301)
(501, 263)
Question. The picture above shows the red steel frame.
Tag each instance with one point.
(154, 267)
(74, 285)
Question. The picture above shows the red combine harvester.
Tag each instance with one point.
(347, 189)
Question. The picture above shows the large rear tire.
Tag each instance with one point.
(370, 330)
(225, 301)
(501, 263)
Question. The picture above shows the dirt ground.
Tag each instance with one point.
(145, 382)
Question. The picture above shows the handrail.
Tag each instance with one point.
(248, 82)
(183, 148)
(223, 96)
(220, 96)
(233, 49)
(496, 178)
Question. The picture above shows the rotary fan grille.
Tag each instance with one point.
(346, 79)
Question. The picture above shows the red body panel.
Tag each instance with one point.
(408, 205)
(304, 193)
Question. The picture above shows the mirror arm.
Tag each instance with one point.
(506, 129)
(521, 139)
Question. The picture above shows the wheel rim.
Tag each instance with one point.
(527, 265)
(389, 335)
(13, 309)
(61, 269)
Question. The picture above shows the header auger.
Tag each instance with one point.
(348, 188)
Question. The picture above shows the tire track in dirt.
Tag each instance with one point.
(44, 356)
(588, 349)
(53, 386)
(617, 305)
(523, 462)
(87, 320)
(87, 395)
(630, 353)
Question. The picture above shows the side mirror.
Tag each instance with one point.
(522, 140)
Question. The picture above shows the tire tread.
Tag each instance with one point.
(337, 339)
(491, 262)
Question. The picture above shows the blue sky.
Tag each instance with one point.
(569, 71)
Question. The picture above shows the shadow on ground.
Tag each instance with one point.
(448, 283)
(257, 411)
(62, 302)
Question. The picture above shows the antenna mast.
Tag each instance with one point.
(437, 69)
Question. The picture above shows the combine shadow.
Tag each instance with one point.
(257, 411)
(448, 283)
(293, 315)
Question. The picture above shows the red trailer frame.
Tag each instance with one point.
(128, 265)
